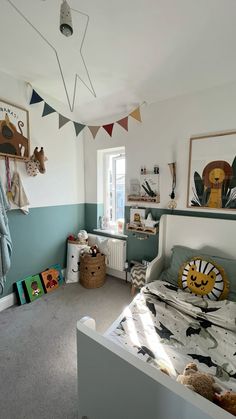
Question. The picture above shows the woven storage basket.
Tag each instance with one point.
(92, 270)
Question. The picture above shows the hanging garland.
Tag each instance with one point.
(47, 110)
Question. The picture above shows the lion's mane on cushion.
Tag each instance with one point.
(203, 277)
(181, 254)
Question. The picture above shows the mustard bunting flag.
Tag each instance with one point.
(136, 114)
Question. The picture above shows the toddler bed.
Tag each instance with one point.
(166, 328)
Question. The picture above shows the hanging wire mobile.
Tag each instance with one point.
(90, 86)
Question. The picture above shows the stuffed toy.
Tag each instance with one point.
(83, 237)
(94, 250)
(227, 401)
(200, 382)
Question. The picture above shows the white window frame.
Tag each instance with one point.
(118, 153)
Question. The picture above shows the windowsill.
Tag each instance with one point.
(111, 233)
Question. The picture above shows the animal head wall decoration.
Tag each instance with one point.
(36, 162)
(40, 157)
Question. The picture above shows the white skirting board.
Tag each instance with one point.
(10, 300)
(7, 301)
(117, 274)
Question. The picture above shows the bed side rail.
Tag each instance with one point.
(115, 384)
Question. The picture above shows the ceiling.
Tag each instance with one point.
(135, 50)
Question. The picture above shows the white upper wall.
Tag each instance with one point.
(163, 137)
(63, 182)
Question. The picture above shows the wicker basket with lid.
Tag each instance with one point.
(92, 270)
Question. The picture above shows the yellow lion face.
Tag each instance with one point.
(217, 176)
(203, 277)
(200, 283)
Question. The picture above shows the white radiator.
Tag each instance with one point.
(117, 251)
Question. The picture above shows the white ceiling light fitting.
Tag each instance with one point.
(66, 27)
(90, 86)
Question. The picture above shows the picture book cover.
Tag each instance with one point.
(34, 287)
(50, 279)
(20, 292)
(57, 267)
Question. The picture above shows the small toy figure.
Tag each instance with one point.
(35, 288)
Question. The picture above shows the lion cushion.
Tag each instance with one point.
(203, 277)
(182, 254)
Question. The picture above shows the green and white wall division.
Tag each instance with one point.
(65, 199)
(56, 198)
(161, 138)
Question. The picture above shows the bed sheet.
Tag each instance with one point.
(169, 328)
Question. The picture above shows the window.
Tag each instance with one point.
(112, 164)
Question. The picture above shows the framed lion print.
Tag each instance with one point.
(212, 171)
(14, 131)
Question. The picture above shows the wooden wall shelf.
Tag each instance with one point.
(136, 198)
(144, 230)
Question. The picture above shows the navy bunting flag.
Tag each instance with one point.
(35, 98)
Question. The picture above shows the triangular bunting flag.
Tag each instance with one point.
(78, 127)
(123, 123)
(62, 120)
(35, 98)
(136, 114)
(47, 110)
(94, 130)
(109, 128)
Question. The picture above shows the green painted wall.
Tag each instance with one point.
(92, 214)
(146, 249)
(39, 239)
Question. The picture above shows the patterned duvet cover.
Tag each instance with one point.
(169, 328)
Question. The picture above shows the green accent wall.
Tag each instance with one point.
(146, 249)
(92, 214)
(39, 239)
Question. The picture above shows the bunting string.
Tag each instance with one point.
(79, 126)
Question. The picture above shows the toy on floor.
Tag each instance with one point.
(200, 382)
(227, 401)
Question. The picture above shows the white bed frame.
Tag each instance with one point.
(115, 384)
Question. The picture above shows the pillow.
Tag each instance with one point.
(203, 277)
(181, 254)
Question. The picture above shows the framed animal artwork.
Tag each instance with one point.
(212, 171)
(50, 279)
(34, 287)
(14, 131)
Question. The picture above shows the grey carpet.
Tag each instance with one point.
(38, 348)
